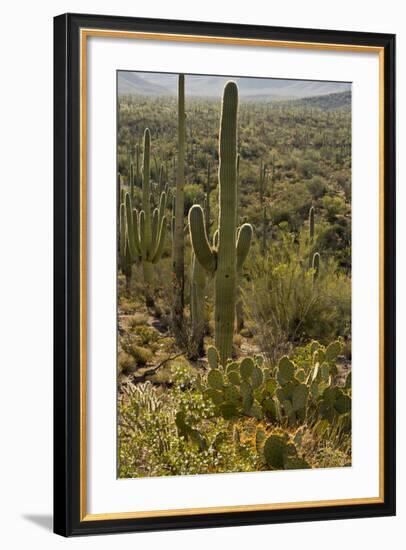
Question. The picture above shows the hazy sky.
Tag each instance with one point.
(212, 86)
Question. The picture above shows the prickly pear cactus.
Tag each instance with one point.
(311, 393)
(242, 388)
(281, 454)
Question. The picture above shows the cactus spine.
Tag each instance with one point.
(224, 261)
(178, 259)
(145, 231)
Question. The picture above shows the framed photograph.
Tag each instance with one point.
(224, 274)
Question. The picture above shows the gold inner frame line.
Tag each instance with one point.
(173, 37)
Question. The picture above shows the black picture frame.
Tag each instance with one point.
(67, 381)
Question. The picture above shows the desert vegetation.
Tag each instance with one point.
(234, 283)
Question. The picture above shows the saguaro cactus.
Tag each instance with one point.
(224, 260)
(262, 182)
(264, 231)
(311, 224)
(316, 266)
(311, 236)
(125, 259)
(145, 231)
(207, 198)
(197, 307)
(239, 306)
(178, 252)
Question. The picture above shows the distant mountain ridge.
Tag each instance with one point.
(328, 102)
(260, 89)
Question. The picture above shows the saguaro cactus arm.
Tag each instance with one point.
(136, 233)
(123, 233)
(316, 265)
(160, 242)
(198, 236)
(244, 238)
(134, 250)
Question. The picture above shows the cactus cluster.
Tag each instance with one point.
(241, 388)
(146, 229)
(281, 454)
(287, 393)
(301, 392)
(228, 254)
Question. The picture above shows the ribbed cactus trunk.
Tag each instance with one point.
(124, 255)
(311, 224)
(178, 252)
(197, 308)
(311, 235)
(226, 274)
(264, 231)
(316, 267)
(146, 192)
(239, 306)
(207, 199)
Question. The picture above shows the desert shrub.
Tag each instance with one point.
(136, 320)
(334, 206)
(292, 205)
(125, 362)
(285, 304)
(317, 186)
(141, 355)
(145, 336)
(193, 194)
(153, 440)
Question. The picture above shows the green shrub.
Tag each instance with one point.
(285, 307)
(141, 355)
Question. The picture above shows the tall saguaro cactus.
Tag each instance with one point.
(262, 182)
(178, 252)
(146, 231)
(125, 259)
(316, 267)
(264, 231)
(224, 260)
(311, 224)
(311, 235)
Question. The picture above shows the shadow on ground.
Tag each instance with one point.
(42, 520)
